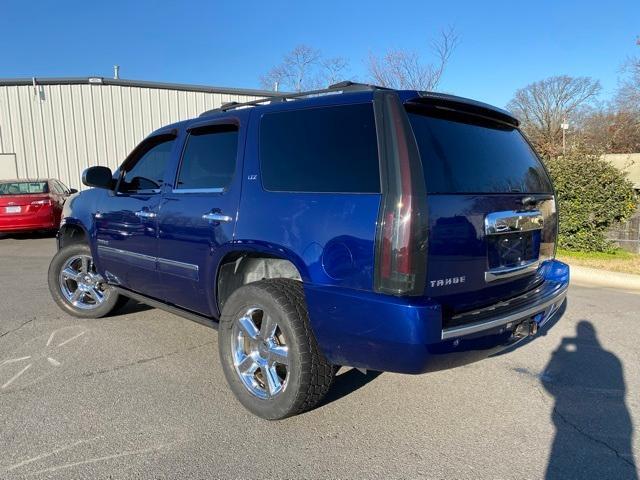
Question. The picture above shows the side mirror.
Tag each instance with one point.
(72, 191)
(99, 177)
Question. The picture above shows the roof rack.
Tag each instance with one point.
(346, 86)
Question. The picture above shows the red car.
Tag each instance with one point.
(27, 205)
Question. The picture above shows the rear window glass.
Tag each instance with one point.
(331, 149)
(464, 154)
(23, 188)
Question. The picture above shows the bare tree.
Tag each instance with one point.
(333, 70)
(610, 130)
(404, 69)
(628, 95)
(298, 70)
(615, 127)
(544, 105)
(274, 79)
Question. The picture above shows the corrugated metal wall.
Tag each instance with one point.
(59, 130)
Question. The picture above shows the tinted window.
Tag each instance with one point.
(148, 171)
(57, 187)
(330, 149)
(23, 188)
(209, 159)
(462, 154)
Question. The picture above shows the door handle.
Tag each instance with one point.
(216, 217)
(509, 221)
(145, 214)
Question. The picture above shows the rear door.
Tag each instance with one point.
(491, 211)
(126, 221)
(198, 213)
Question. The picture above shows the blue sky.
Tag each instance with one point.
(504, 45)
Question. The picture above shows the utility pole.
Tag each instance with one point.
(564, 126)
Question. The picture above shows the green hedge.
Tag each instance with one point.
(592, 196)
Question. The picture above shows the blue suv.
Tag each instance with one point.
(355, 226)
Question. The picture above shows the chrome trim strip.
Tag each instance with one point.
(173, 267)
(197, 190)
(187, 266)
(179, 269)
(509, 272)
(489, 324)
(510, 221)
(146, 192)
(126, 253)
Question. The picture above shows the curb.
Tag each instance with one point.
(604, 278)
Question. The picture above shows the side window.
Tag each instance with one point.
(209, 159)
(55, 186)
(329, 149)
(63, 187)
(146, 173)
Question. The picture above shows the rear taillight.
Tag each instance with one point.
(401, 238)
(549, 234)
(41, 203)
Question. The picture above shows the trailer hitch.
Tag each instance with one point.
(528, 328)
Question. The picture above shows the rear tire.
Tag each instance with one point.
(269, 354)
(77, 288)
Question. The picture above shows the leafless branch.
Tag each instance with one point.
(333, 70)
(404, 69)
(544, 105)
(628, 96)
(297, 72)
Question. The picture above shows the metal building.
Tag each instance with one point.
(627, 235)
(57, 127)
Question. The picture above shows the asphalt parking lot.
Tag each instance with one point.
(142, 395)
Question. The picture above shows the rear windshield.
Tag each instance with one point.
(23, 188)
(465, 154)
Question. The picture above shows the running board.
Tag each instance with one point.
(152, 302)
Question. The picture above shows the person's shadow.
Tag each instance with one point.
(593, 426)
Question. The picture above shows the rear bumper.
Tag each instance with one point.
(380, 332)
(27, 226)
(43, 219)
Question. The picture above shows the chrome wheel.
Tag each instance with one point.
(80, 284)
(260, 353)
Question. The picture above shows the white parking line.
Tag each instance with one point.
(70, 339)
(102, 459)
(44, 455)
(16, 376)
(14, 360)
(54, 362)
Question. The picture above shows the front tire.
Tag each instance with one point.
(269, 354)
(76, 286)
